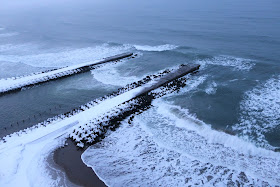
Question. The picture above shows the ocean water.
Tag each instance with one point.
(222, 128)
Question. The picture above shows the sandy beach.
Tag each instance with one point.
(69, 159)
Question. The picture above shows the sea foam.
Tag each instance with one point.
(66, 57)
(110, 75)
(229, 61)
(260, 111)
(167, 146)
(158, 48)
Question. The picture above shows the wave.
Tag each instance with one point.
(158, 48)
(228, 61)
(260, 111)
(211, 88)
(167, 146)
(66, 57)
(110, 74)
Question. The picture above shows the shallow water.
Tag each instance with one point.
(237, 44)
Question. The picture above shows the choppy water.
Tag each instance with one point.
(237, 89)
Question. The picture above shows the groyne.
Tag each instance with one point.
(15, 84)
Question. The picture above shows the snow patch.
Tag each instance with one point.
(23, 156)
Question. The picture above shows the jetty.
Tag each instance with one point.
(180, 72)
(109, 113)
(15, 84)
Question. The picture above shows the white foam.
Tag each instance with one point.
(211, 88)
(66, 57)
(182, 117)
(229, 61)
(158, 48)
(260, 111)
(109, 74)
(167, 146)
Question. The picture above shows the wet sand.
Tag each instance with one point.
(69, 159)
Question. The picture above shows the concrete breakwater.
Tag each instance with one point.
(133, 104)
(18, 83)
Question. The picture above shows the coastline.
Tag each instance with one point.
(69, 159)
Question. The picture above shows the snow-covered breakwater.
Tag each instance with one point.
(17, 83)
(132, 104)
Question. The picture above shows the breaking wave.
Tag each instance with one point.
(167, 145)
(66, 57)
(157, 48)
(211, 88)
(260, 111)
(110, 74)
(229, 61)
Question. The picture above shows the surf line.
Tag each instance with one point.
(16, 84)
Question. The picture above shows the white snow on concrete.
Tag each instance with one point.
(14, 83)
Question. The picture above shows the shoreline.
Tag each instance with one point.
(69, 159)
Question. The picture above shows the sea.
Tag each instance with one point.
(222, 128)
